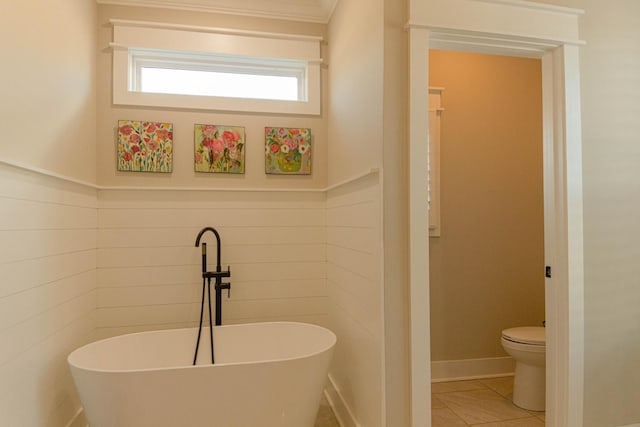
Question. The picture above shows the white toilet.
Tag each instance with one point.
(527, 346)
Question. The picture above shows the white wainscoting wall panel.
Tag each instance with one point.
(354, 271)
(149, 270)
(47, 293)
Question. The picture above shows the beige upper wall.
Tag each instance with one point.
(355, 76)
(486, 268)
(610, 79)
(48, 89)
(183, 120)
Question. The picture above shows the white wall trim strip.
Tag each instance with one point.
(216, 30)
(538, 6)
(47, 173)
(78, 420)
(352, 179)
(340, 408)
(466, 369)
(55, 175)
(213, 189)
(490, 39)
(256, 8)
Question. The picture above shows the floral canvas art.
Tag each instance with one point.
(145, 146)
(287, 151)
(219, 148)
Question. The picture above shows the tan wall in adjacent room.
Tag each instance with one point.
(486, 268)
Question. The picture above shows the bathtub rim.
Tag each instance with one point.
(329, 346)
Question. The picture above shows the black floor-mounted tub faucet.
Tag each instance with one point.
(218, 274)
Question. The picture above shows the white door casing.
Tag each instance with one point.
(516, 28)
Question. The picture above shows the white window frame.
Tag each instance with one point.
(145, 41)
(140, 58)
(435, 113)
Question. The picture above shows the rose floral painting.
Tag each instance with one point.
(219, 149)
(287, 150)
(145, 146)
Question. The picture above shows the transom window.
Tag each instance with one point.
(179, 66)
(212, 75)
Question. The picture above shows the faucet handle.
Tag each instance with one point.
(226, 286)
(224, 273)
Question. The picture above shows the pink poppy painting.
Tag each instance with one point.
(144, 146)
(219, 149)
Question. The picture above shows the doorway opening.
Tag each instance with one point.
(562, 203)
(487, 261)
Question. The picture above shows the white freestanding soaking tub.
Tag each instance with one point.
(265, 375)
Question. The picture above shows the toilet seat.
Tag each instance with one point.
(530, 335)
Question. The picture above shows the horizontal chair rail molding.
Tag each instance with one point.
(44, 172)
(213, 189)
(55, 175)
(352, 179)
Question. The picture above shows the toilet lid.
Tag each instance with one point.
(533, 335)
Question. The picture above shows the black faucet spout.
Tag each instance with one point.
(204, 251)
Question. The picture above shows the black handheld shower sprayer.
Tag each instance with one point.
(218, 274)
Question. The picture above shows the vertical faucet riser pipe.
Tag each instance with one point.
(204, 257)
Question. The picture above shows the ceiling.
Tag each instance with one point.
(297, 10)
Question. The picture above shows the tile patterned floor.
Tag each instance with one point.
(485, 403)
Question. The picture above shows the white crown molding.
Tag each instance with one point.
(317, 11)
(539, 6)
(212, 30)
(524, 28)
(482, 43)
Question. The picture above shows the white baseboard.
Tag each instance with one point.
(78, 419)
(340, 408)
(466, 369)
